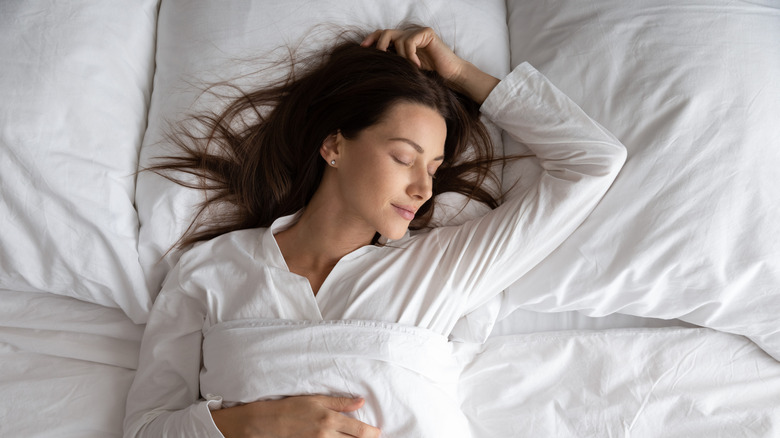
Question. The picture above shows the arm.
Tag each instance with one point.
(579, 160)
(164, 399)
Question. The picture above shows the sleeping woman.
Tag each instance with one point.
(305, 308)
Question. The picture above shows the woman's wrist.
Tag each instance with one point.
(474, 82)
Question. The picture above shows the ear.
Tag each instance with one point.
(331, 147)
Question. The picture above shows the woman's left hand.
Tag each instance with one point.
(421, 46)
(424, 48)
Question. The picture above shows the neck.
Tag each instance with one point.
(323, 234)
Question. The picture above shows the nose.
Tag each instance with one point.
(421, 185)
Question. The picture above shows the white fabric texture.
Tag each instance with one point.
(65, 366)
(242, 275)
(689, 230)
(200, 43)
(74, 90)
(408, 376)
(631, 383)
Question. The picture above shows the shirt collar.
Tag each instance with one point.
(272, 254)
(269, 249)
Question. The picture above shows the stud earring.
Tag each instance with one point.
(332, 162)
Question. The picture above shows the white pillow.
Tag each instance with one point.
(74, 86)
(690, 228)
(204, 42)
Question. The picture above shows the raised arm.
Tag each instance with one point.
(579, 160)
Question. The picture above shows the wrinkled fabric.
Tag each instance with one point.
(407, 375)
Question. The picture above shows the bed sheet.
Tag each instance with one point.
(65, 366)
(670, 382)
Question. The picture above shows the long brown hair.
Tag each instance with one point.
(258, 159)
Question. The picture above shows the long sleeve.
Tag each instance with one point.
(579, 161)
(164, 400)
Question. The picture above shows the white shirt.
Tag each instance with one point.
(427, 280)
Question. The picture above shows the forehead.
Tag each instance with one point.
(408, 112)
(419, 123)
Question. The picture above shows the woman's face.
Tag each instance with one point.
(386, 172)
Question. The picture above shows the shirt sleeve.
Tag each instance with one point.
(164, 399)
(579, 161)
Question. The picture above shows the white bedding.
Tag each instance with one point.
(687, 232)
(62, 359)
(689, 229)
(666, 382)
(630, 382)
(75, 84)
(408, 375)
(65, 366)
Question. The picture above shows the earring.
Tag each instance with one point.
(332, 162)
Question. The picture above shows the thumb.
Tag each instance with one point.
(343, 404)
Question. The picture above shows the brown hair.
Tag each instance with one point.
(258, 159)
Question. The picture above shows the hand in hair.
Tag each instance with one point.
(421, 46)
(305, 416)
(426, 50)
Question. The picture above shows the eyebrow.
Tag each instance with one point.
(416, 146)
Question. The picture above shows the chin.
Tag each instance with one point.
(394, 236)
(395, 233)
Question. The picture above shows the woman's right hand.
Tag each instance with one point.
(294, 417)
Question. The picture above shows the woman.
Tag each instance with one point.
(330, 319)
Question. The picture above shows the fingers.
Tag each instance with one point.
(409, 51)
(381, 38)
(406, 43)
(340, 404)
(346, 425)
(355, 428)
(387, 37)
(371, 38)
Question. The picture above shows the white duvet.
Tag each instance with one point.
(65, 367)
(407, 375)
(629, 382)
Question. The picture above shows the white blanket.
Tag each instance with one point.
(672, 382)
(407, 375)
(633, 382)
(65, 366)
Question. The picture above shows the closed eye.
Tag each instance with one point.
(402, 162)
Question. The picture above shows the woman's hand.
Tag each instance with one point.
(426, 50)
(421, 46)
(294, 417)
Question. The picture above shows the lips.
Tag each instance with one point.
(405, 211)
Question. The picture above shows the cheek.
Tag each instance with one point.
(374, 184)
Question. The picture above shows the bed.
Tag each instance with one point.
(657, 317)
